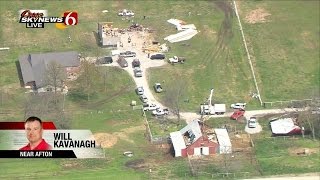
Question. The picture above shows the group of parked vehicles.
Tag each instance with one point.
(155, 109)
(207, 108)
(239, 113)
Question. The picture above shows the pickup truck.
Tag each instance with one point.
(125, 12)
(176, 59)
(238, 105)
(151, 107)
(128, 54)
(160, 112)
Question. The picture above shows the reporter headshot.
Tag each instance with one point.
(34, 131)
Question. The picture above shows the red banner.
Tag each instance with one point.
(20, 125)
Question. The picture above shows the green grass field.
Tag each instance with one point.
(215, 58)
(285, 48)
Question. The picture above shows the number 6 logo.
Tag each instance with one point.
(70, 18)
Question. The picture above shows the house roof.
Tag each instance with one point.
(193, 128)
(26, 69)
(223, 137)
(33, 66)
(282, 126)
(177, 140)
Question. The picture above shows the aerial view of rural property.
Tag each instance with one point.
(154, 89)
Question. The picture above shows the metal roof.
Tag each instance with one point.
(177, 140)
(223, 137)
(282, 126)
(192, 128)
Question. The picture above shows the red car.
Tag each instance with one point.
(237, 114)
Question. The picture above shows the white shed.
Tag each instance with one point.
(225, 146)
(178, 143)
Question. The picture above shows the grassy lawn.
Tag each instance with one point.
(286, 48)
(278, 155)
(162, 126)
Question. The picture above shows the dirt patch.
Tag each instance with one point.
(105, 140)
(302, 151)
(240, 143)
(307, 40)
(71, 164)
(257, 16)
(137, 164)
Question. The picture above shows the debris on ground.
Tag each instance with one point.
(187, 31)
(128, 153)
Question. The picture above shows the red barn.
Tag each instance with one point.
(190, 141)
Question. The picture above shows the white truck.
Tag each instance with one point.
(160, 112)
(125, 12)
(176, 59)
(151, 107)
(211, 109)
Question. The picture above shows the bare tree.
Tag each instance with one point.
(309, 119)
(89, 75)
(47, 106)
(55, 75)
(174, 95)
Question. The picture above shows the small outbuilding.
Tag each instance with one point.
(285, 126)
(225, 146)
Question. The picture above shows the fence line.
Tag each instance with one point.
(247, 51)
(151, 138)
(286, 102)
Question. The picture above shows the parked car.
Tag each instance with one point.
(252, 122)
(238, 105)
(158, 87)
(143, 98)
(140, 90)
(137, 72)
(157, 56)
(122, 62)
(160, 112)
(128, 54)
(237, 114)
(105, 60)
(151, 107)
(135, 63)
(177, 59)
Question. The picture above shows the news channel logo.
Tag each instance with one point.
(38, 18)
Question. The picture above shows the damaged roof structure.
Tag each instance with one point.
(192, 141)
(285, 126)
